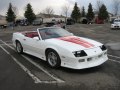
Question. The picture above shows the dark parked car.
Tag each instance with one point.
(70, 21)
(55, 24)
(50, 24)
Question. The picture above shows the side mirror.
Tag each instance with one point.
(36, 38)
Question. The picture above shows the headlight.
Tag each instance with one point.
(103, 47)
(79, 53)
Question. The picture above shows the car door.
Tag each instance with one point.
(35, 47)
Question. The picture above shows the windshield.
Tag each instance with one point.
(48, 33)
(117, 21)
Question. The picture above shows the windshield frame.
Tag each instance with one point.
(50, 28)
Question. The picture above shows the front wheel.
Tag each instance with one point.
(19, 47)
(53, 59)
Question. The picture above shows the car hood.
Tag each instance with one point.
(117, 23)
(74, 43)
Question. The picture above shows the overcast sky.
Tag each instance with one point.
(40, 5)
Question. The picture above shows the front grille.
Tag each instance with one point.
(116, 26)
(94, 58)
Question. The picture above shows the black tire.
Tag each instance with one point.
(112, 29)
(53, 63)
(19, 47)
(2, 26)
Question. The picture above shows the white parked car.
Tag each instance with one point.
(60, 48)
(116, 24)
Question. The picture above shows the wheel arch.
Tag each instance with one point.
(59, 61)
(54, 49)
(17, 40)
(21, 50)
(47, 49)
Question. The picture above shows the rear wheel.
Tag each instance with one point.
(53, 59)
(19, 47)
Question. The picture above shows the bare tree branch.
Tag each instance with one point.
(65, 10)
(15, 10)
(98, 5)
(116, 5)
(48, 10)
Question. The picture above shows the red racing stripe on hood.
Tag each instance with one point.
(77, 40)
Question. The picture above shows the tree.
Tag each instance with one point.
(103, 13)
(116, 5)
(83, 12)
(76, 13)
(29, 14)
(90, 14)
(48, 10)
(10, 17)
(65, 10)
(15, 10)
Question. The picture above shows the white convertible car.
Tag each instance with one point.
(60, 48)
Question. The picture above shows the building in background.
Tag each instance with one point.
(3, 22)
(45, 18)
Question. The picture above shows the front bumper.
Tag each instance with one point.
(115, 27)
(86, 62)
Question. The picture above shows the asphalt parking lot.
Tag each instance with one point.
(26, 72)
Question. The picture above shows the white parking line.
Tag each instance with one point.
(4, 44)
(36, 80)
(114, 60)
(38, 66)
(7, 41)
(41, 68)
(113, 56)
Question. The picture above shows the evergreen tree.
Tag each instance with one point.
(76, 13)
(83, 12)
(10, 17)
(90, 14)
(29, 14)
(103, 13)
